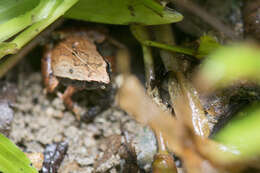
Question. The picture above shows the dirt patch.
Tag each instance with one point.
(40, 120)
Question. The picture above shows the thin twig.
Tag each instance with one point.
(207, 17)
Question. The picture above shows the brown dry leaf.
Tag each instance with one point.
(185, 99)
(180, 137)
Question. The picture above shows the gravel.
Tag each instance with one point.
(41, 119)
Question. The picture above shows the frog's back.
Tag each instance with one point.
(77, 58)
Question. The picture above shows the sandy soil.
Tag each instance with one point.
(40, 119)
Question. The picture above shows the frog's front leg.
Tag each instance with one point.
(50, 81)
(66, 97)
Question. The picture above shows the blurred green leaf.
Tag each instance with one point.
(12, 159)
(226, 66)
(21, 21)
(123, 12)
(7, 48)
(36, 20)
(13, 8)
(207, 45)
(242, 133)
(60, 7)
(229, 64)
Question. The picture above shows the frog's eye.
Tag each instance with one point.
(74, 45)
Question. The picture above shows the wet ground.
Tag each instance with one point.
(41, 119)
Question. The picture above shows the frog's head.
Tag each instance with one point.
(77, 58)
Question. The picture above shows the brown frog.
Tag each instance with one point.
(76, 62)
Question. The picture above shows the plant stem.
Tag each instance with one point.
(163, 161)
(181, 91)
(149, 66)
(170, 61)
(177, 49)
(144, 39)
(141, 33)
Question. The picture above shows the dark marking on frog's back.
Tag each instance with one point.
(88, 85)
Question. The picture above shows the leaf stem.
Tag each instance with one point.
(144, 40)
(177, 49)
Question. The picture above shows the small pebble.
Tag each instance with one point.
(53, 156)
(6, 118)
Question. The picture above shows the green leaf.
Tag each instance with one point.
(208, 44)
(13, 8)
(230, 64)
(242, 133)
(47, 12)
(123, 12)
(20, 22)
(12, 159)
(60, 7)
(7, 48)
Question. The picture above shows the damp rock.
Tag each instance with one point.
(109, 158)
(8, 94)
(6, 118)
(145, 147)
(53, 156)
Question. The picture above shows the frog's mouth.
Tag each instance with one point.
(88, 85)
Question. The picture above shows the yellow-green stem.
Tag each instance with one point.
(142, 33)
